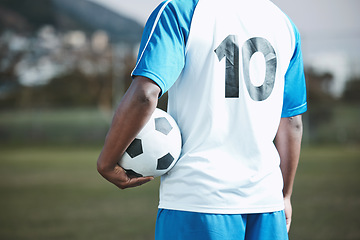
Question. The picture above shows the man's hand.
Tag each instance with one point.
(288, 212)
(118, 177)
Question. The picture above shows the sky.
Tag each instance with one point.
(330, 31)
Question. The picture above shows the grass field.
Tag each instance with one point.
(326, 197)
(56, 193)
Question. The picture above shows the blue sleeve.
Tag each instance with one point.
(162, 50)
(295, 88)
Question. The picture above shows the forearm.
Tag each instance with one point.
(288, 144)
(131, 115)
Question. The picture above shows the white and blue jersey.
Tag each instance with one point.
(232, 69)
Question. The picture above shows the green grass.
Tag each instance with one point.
(56, 193)
(326, 196)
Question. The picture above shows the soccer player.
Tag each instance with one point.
(234, 75)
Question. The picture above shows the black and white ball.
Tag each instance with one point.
(155, 149)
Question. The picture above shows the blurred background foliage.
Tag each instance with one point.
(62, 71)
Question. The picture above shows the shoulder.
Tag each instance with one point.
(175, 14)
(180, 8)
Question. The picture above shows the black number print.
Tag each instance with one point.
(229, 48)
(250, 47)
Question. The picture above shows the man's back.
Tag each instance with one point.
(226, 63)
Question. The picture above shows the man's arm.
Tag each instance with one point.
(288, 144)
(133, 112)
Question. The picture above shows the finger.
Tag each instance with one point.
(135, 182)
(140, 181)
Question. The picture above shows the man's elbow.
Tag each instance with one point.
(145, 91)
(146, 97)
(296, 124)
(101, 168)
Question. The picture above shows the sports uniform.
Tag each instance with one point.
(232, 69)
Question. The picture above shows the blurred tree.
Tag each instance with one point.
(8, 79)
(318, 86)
(319, 100)
(352, 90)
(74, 89)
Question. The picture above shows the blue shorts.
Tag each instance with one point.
(171, 224)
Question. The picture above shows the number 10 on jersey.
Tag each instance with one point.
(229, 48)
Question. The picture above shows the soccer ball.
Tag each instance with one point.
(155, 149)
